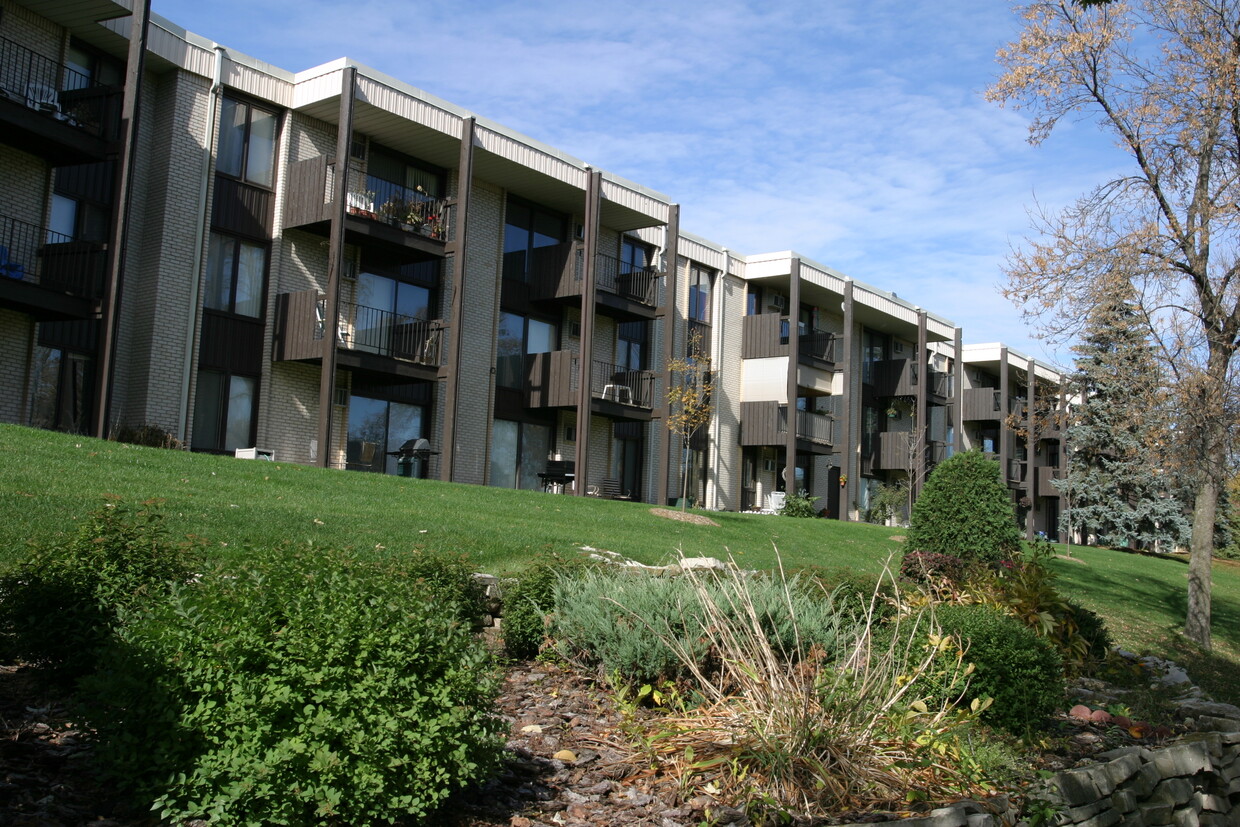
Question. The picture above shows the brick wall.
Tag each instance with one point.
(16, 337)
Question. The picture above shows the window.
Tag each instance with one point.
(224, 410)
(519, 336)
(519, 452)
(85, 67)
(73, 219)
(377, 429)
(626, 457)
(635, 255)
(753, 301)
(631, 345)
(390, 316)
(527, 231)
(235, 271)
(873, 351)
(61, 390)
(392, 168)
(700, 281)
(247, 142)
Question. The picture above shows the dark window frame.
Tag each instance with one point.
(238, 240)
(221, 423)
(242, 175)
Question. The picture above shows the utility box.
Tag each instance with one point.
(256, 453)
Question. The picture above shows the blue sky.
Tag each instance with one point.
(852, 131)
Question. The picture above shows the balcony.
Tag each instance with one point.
(902, 377)
(982, 403)
(1044, 478)
(52, 111)
(368, 338)
(376, 211)
(766, 335)
(766, 423)
(551, 381)
(898, 452)
(49, 275)
(556, 273)
(1017, 473)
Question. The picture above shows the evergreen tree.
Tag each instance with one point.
(965, 510)
(1118, 487)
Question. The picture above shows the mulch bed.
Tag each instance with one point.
(566, 765)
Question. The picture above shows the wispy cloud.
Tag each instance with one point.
(853, 131)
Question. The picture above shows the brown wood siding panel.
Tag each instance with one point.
(93, 182)
(306, 201)
(760, 337)
(1045, 484)
(297, 327)
(241, 209)
(760, 424)
(77, 335)
(231, 344)
(549, 380)
(893, 451)
(981, 403)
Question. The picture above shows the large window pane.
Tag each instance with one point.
(62, 223)
(232, 137)
(240, 413)
(404, 424)
(367, 434)
(219, 273)
(210, 396)
(510, 354)
(261, 157)
(541, 337)
(249, 296)
(535, 448)
(504, 438)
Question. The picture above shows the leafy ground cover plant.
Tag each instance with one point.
(306, 686)
(800, 504)
(529, 603)
(60, 603)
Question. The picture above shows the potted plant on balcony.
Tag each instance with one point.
(393, 210)
(413, 219)
(362, 203)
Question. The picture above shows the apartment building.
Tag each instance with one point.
(327, 265)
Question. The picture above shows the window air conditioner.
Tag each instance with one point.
(779, 302)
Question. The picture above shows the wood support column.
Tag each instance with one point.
(1031, 446)
(794, 354)
(451, 384)
(848, 446)
(957, 443)
(335, 265)
(594, 185)
(114, 277)
(671, 320)
(921, 425)
(1005, 393)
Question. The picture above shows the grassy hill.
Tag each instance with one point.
(49, 480)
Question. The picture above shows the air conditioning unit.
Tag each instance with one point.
(779, 302)
(768, 465)
(574, 329)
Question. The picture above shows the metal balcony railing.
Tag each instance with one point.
(48, 86)
(50, 259)
(616, 383)
(401, 206)
(384, 333)
(613, 275)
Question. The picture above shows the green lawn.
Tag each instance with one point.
(49, 480)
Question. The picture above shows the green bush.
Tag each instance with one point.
(1021, 671)
(59, 604)
(800, 504)
(530, 600)
(631, 623)
(965, 511)
(297, 687)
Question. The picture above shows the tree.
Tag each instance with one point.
(689, 402)
(1117, 482)
(1161, 77)
(965, 511)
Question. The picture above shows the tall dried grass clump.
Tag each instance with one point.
(799, 727)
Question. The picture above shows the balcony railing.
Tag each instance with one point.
(48, 86)
(641, 285)
(766, 335)
(52, 260)
(616, 383)
(384, 333)
(813, 426)
(410, 209)
(543, 273)
(766, 423)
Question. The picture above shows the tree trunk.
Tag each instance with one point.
(1197, 622)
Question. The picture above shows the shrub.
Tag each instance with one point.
(59, 604)
(646, 628)
(925, 567)
(151, 436)
(800, 504)
(530, 600)
(301, 687)
(965, 511)
(1021, 671)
